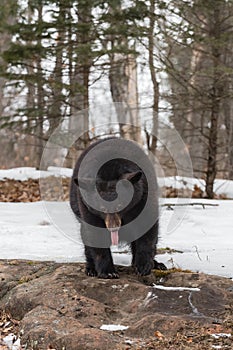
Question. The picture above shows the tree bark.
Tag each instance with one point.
(39, 129)
(124, 85)
(152, 143)
(55, 110)
(216, 97)
(79, 73)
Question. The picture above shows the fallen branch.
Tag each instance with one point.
(171, 205)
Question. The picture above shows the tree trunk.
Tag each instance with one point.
(39, 130)
(79, 73)
(55, 112)
(8, 9)
(194, 129)
(212, 151)
(228, 107)
(215, 105)
(123, 85)
(152, 142)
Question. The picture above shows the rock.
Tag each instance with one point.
(56, 306)
(45, 328)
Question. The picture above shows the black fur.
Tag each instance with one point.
(99, 260)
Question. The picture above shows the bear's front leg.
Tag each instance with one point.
(143, 261)
(90, 264)
(99, 263)
(143, 251)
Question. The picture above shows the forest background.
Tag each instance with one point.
(173, 60)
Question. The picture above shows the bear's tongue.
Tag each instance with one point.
(114, 237)
(113, 224)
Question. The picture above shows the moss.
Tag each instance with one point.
(33, 262)
(164, 273)
(168, 250)
(24, 279)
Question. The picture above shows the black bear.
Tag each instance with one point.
(114, 194)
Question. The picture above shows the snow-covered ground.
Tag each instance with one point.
(48, 231)
(204, 235)
(221, 187)
(25, 173)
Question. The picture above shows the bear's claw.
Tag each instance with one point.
(91, 272)
(159, 266)
(112, 275)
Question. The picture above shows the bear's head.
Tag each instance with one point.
(111, 197)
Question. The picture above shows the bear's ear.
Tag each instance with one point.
(85, 183)
(133, 177)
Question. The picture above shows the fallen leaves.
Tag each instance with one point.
(57, 189)
(8, 326)
(7, 323)
(159, 335)
(30, 190)
(19, 191)
(193, 337)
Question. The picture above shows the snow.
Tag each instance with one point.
(221, 187)
(204, 236)
(221, 335)
(26, 173)
(150, 296)
(179, 289)
(26, 232)
(49, 231)
(129, 342)
(113, 327)
(12, 342)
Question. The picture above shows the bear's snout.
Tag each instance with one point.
(112, 221)
(113, 224)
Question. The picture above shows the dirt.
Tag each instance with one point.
(56, 306)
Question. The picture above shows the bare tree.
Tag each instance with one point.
(196, 64)
(123, 76)
(80, 62)
(152, 142)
